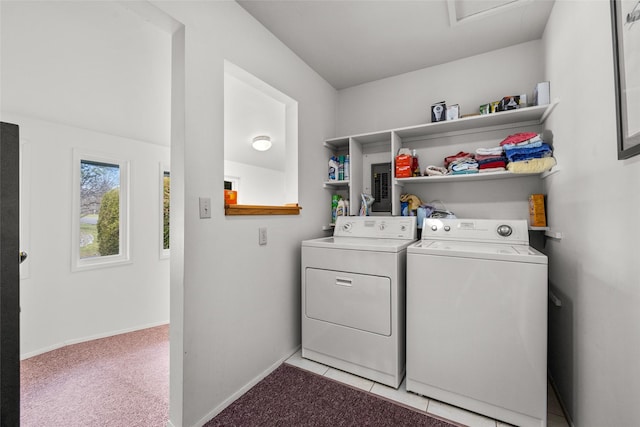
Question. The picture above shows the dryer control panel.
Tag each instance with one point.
(515, 232)
(381, 227)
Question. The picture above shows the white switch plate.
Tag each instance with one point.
(262, 235)
(205, 207)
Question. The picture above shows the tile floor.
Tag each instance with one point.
(555, 416)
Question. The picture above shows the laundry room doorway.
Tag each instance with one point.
(89, 85)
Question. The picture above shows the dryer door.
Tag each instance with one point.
(356, 301)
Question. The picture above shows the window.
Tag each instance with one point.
(101, 211)
(165, 209)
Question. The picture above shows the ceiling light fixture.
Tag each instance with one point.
(261, 143)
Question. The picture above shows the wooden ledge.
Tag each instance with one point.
(289, 209)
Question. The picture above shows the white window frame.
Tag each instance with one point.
(164, 253)
(123, 257)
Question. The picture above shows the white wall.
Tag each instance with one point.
(404, 100)
(94, 65)
(241, 311)
(58, 306)
(594, 341)
(94, 76)
(256, 185)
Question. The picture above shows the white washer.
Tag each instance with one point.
(353, 297)
(477, 319)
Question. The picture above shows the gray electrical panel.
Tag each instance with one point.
(381, 187)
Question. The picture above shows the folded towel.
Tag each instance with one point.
(463, 164)
(464, 172)
(518, 154)
(528, 144)
(485, 170)
(464, 167)
(518, 138)
(432, 170)
(460, 155)
(493, 164)
(532, 166)
(481, 157)
(490, 151)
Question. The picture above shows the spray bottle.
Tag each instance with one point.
(334, 207)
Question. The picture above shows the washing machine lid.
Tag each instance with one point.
(488, 251)
(360, 243)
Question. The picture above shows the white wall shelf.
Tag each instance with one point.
(336, 183)
(552, 234)
(465, 177)
(507, 119)
(390, 141)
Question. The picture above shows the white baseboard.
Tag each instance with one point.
(242, 390)
(90, 338)
(562, 405)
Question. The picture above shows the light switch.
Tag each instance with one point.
(205, 207)
(262, 235)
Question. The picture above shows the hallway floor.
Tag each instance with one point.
(555, 416)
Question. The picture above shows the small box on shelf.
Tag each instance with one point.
(403, 166)
(537, 216)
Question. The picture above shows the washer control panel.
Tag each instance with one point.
(382, 227)
(479, 230)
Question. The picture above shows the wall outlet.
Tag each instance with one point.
(205, 207)
(262, 235)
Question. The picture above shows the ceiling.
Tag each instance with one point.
(351, 42)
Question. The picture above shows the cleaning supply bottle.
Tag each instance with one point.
(333, 168)
(342, 208)
(347, 164)
(415, 166)
(334, 207)
(340, 168)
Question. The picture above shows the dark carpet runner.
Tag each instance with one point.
(290, 396)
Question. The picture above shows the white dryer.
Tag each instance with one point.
(477, 319)
(353, 297)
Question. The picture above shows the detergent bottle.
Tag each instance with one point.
(333, 168)
(342, 208)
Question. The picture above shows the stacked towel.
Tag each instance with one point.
(499, 162)
(536, 150)
(522, 148)
(460, 155)
(491, 159)
(463, 165)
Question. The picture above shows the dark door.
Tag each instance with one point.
(9, 277)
